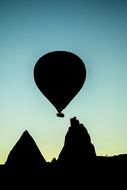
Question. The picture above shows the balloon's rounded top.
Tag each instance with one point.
(59, 75)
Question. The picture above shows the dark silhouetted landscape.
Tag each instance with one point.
(77, 164)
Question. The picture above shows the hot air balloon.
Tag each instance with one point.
(59, 75)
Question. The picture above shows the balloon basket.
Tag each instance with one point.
(59, 114)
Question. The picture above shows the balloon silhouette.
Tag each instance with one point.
(59, 75)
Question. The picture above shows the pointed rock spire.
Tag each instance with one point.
(25, 155)
(78, 149)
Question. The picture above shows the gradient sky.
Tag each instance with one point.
(96, 31)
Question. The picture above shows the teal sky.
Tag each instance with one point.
(96, 31)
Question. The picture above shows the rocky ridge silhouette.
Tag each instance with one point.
(77, 163)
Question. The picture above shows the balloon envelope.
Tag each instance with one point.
(59, 75)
